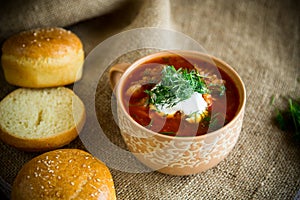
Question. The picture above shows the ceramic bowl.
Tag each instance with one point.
(177, 155)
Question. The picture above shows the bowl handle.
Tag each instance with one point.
(115, 73)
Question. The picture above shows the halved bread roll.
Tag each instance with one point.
(41, 119)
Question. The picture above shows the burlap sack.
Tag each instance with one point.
(260, 39)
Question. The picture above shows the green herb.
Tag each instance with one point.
(295, 113)
(289, 118)
(272, 100)
(207, 118)
(217, 121)
(222, 90)
(217, 88)
(176, 86)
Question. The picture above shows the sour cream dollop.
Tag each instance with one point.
(194, 104)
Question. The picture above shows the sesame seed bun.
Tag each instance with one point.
(64, 174)
(44, 57)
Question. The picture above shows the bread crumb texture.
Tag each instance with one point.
(64, 174)
(38, 113)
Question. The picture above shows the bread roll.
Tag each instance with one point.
(45, 57)
(40, 119)
(64, 174)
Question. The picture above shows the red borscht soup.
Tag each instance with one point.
(180, 96)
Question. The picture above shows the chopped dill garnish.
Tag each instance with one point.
(222, 90)
(217, 88)
(217, 120)
(176, 86)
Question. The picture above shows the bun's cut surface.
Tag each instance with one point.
(45, 57)
(64, 174)
(41, 119)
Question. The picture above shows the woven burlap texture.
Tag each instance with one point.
(259, 39)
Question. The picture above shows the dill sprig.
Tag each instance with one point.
(176, 86)
(290, 117)
(294, 109)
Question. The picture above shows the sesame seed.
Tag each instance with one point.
(69, 32)
(57, 194)
(57, 167)
(92, 195)
(72, 183)
(86, 157)
(98, 180)
(42, 187)
(59, 177)
(48, 39)
(45, 163)
(47, 157)
(70, 160)
(84, 165)
(31, 187)
(88, 167)
(39, 45)
(28, 177)
(34, 34)
(23, 45)
(46, 177)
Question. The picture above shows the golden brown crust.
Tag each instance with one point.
(43, 144)
(44, 42)
(64, 174)
(45, 57)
